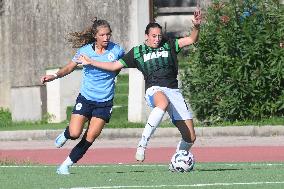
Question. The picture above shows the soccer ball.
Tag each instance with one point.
(182, 161)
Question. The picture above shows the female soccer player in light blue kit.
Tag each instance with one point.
(95, 101)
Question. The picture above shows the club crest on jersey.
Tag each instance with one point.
(156, 54)
(110, 56)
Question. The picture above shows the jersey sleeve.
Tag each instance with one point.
(128, 60)
(178, 49)
(76, 56)
(174, 45)
(121, 53)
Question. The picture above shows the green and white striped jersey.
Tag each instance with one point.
(158, 65)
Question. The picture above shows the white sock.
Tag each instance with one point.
(182, 145)
(153, 122)
(68, 162)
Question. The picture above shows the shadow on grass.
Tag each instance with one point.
(226, 169)
(135, 171)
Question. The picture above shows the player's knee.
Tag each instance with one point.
(92, 138)
(189, 139)
(74, 135)
(193, 139)
(163, 105)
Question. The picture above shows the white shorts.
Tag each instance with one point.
(177, 108)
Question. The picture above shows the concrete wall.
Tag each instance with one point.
(33, 37)
(5, 45)
(175, 16)
(180, 28)
(29, 103)
(39, 28)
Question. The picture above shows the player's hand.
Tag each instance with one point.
(197, 18)
(47, 78)
(84, 60)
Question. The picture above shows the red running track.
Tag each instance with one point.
(153, 155)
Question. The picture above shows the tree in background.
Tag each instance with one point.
(236, 71)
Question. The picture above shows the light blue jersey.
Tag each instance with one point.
(97, 84)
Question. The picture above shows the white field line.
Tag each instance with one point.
(142, 165)
(178, 186)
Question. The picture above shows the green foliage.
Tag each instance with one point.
(119, 117)
(120, 99)
(236, 71)
(121, 90)
(46, 118)
(5, 117)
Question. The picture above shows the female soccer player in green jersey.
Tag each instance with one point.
(157, 60)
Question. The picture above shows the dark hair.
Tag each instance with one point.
(79, 39)
(152, 25)
(99, 23)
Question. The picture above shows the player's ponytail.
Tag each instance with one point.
(79, 39)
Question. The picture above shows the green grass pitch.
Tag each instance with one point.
(205, 175)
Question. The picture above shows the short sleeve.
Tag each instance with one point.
(121, 53)
(177, 48)
(76, 56)
(128, 60)
(174, 45)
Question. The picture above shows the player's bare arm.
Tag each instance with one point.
(110, 66)
(67, 69)
(186, 41)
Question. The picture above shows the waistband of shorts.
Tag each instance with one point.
(98, 104)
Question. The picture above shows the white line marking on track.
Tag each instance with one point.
(178, 186)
